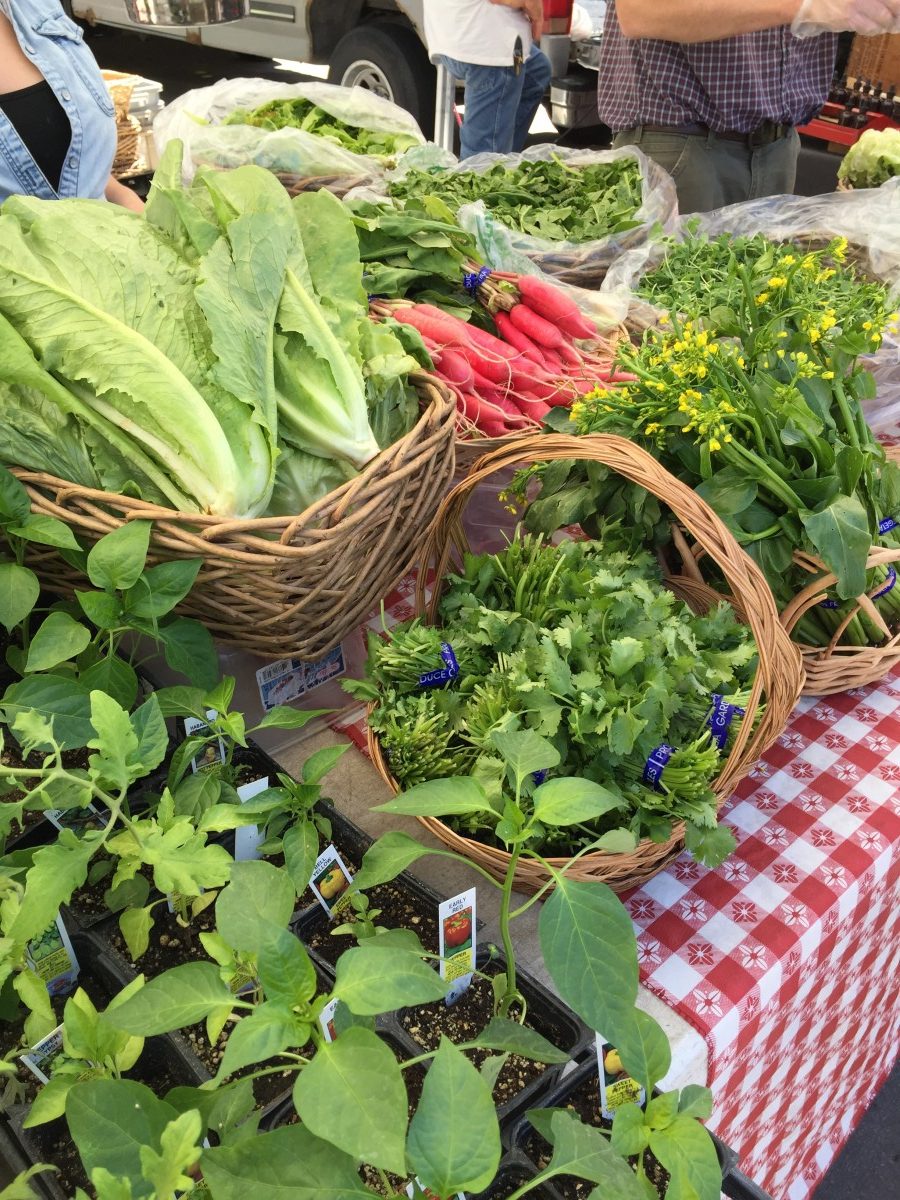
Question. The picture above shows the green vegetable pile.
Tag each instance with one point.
(580, 643)
(214, 355)
(543, 199)
(873, 159)
(303, 114)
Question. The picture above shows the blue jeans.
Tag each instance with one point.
(500, 105)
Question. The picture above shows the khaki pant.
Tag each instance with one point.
(711, 172)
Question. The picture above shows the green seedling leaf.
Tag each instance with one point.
(19, 1188)
(260, 1035)
(384, 860)
(115, 562)
(151, 733)
(57, 871)
(135, 925)
(286, 1164)
(48, 531)
(454, 1137)
(502, 1034)
(525, 752)
(840, 533)
(160, 588)
(300, 846)
(115, 739)
(643, 1048)
(373, 979)
(59, 699)
(334, 1098)
(59, 639)
(583, 1151)
(189, 649)
(695, 1101)
(439, 798)
(258, 897)
(630, 1132)
(178, 1151)
(104, 609)
(50, 1101)
(222, 1110)
(282, 717)
(285, 969)
(321, 762)
(182, 701)
(688, 1153)
(19, 591)
(181, 996)
(590, 950)
(567, 801)
(15, 506)
(115, 677)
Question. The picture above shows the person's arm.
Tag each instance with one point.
(710, 20)
(533, 10)
(118, 193)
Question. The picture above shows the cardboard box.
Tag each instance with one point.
(876, 59)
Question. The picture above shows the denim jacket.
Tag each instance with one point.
(56, 46)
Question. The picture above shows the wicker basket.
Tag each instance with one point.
(282, 586)
(778, 678)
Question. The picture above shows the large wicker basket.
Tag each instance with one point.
(282, 586)
(778, 679)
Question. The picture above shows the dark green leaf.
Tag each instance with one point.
(114, 676)
(500, 1033)
(181, 996)
(688, 1153)
(257, 1037)
(385, 859)
(189, 649)
(300, 846)
(374, 979)
(439, 798)
(160, 588)
(57, 698)
(287, 1164)
(841, 535)
(258, 897)
(19, 591)
(568, 800)
(116, 561)
(57, 640)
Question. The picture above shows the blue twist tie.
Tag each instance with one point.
(472, 280)
(887, 524)
(538, 777)
(720, 719)
(888, 584)
(655, 765)
(442, 675)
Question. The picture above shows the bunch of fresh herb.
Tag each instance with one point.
(303, 114)
(580, 643)
(543, 199)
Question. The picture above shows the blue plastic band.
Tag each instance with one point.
(472, 280)
(442, 675)
(886, 525)
(720, 719)
(538, 777)
(655, 765)
(888, 584)
(829, 604)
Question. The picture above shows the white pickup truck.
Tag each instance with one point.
(373, 43)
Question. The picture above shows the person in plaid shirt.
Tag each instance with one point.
(713, 90)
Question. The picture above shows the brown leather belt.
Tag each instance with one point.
(763, 135)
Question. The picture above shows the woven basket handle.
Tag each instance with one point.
(780, 671)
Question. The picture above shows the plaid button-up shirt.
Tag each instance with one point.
(734, 84)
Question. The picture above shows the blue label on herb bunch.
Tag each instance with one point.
(829, 604)
(887, 524)
(720, 719)
(538, 777)
(656, 764)
(441, 675)
(888, 584)
(472, 280)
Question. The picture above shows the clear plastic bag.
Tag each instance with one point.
(196, 119)
(583, 264)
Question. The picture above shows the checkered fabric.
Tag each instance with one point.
(787, 958)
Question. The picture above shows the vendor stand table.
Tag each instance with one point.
(787, 958)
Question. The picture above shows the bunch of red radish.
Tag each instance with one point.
(510, 382)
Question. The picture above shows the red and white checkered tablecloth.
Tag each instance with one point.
(787, 958)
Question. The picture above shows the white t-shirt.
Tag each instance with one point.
(475, 31)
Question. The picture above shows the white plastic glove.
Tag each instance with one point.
(868, 17)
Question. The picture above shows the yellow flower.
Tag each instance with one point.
(653, 427)
(715, 444)
(814, 335)
(762, 297)
(828, 374)
(728, 438)
(838, 249)
(780, 353)
(664, 319)
(777, 281)
(825, 275)
(783, 334)
(787, 261)
(867, 324)
(801, 357)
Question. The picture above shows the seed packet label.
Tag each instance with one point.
(52, 958)
(617, 1088)
(77, 819)
(456, 931)
(40, 1058)
(326, 1019)
(210, 756)
(248, 837)
(417, 1187)
(288, 679)
(331, 881)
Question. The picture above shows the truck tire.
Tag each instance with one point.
(388, 58)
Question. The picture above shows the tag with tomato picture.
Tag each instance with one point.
(617, 1088)
(51, 957)
(331, 881)
(326, 1019)
(456, 925)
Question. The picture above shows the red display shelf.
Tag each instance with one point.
(826, 128)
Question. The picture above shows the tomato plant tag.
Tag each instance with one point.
(326, 1019)
(248, 837)
(416, 1188)
(617, 1088)
(52, 958)
(210, 756)
(331, 881)
(40, 1058)
(79, 820)
(288, 679)
(456, 931)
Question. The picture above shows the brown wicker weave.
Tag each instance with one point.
(282, 586)
(778, 679)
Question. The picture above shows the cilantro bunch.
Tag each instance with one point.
(581, 643)
(299, 113)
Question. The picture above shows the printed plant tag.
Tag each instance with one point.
(288, 679)
(456, 930)
(617, 1088)
(248, 837)
(79, 820)
(40, 1058)
(330, 882)
(416, 1186)
(326, 1019)
(210, 756)
(52, 958)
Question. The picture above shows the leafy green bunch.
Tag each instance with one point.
(580, 643)
(750, 391)
(299, 113)
(546, 199)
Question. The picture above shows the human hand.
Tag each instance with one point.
(534, 11)
(868, 17)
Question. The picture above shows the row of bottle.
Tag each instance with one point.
(861, 99)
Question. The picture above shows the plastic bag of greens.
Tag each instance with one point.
(308, 131)
(571, 212)
(872, 160)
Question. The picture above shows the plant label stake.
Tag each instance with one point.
(288, 679)
(247, 837)
(52, 958)
(617, 1088)
(416, 1187)
(40, 1058)
(331, 881)
(210, 756)
(456, 929)
(326, 1019)
(79, 820)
